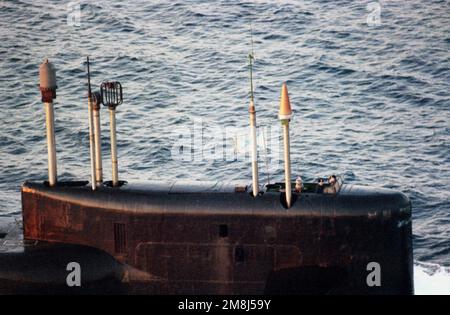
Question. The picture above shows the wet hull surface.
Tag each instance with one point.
(161, 242)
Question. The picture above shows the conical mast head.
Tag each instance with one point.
(285, 112)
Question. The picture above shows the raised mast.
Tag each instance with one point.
(47, 85)
(254, 143)
(285, 115)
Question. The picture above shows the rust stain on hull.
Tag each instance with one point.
(238, 251)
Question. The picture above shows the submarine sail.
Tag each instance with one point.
(172, 237)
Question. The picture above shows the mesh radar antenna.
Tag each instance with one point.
(112, 96)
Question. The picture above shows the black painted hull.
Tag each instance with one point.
(175, 239)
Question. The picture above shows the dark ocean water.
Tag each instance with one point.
(371, 96)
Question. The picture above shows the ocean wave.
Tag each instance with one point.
(431, 279)
(370, 101)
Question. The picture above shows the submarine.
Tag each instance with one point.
(202, 238)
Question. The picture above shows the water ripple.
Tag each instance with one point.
(370, 102)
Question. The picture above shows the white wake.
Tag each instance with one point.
(431, 279)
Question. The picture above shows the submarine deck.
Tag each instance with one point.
(226, 198)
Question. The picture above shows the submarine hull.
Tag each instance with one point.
(217, 239)
(39, 267)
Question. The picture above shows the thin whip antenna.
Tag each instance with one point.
(88, 77)
(251, 58)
